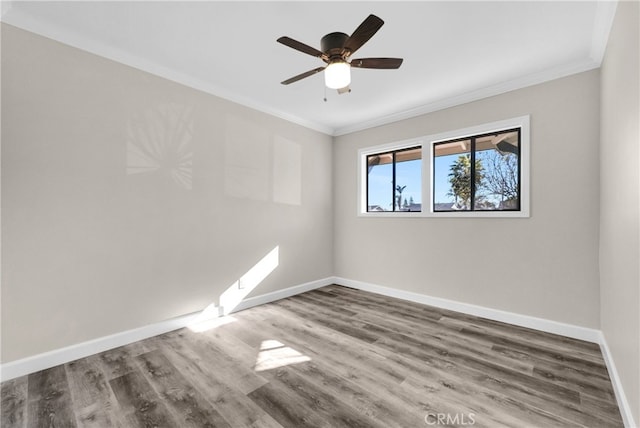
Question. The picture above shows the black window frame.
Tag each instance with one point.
(393, 154)
(472, 151)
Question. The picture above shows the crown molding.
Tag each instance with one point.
(70, 38)
(467, 97)
(605, 12)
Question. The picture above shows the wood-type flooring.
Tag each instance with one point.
(332, 357)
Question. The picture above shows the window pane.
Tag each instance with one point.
(499, 180)
(380, 182)
(452, 176)
(408, 192)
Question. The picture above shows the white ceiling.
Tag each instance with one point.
(453, 51)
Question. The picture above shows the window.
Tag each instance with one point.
(391, 179)
(394, 181)
(477, 173)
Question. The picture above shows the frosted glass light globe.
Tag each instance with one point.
(337, 75)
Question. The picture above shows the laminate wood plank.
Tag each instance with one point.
(93, 401)
(439, 332)
(229, 366)
(49, 400)
(439, 385)
(477, 369)
(286, 407)
(346, 328)
(326, 343)
(325, 293)
(444, 337)
(469, 356)
(559, 367)
(486, 410)
(548, 353)
(356, 298)
(188, 405)
(319, 305)
(139, 403)
(563, 410)
(265, 421)
(447, 338)
(117, 362)
(14, 403)
(382, 303)
(230, 402)
(439, 356)
(330, 357)
(587, 350)
(411, 406)
(226, 366)
(601, 408)
(250, 337)
(308, 386)
(349, 366)
(581, 385)
(242, 352)
(463, 320)
(567, 375)
(513, 398)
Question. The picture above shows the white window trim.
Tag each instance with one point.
(427, 142)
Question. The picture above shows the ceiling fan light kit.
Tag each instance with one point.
(337, 49)
(337, 75)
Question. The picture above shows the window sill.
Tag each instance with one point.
(448, 214)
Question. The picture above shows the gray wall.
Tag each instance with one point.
(128, 199)
(544, 266)
(620, 200)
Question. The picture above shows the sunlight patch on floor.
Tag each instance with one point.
(209, 319)
(274, 354)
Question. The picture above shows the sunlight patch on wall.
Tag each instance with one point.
(274, 354)
(287, 171)
(230, 299)
(159, 141)
(246, 160)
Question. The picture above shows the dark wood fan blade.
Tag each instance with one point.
(363, 33)
(299, 46)
(303, 75)
(384, 63)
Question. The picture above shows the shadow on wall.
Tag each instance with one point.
(160, 141)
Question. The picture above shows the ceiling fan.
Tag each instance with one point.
(337, 49)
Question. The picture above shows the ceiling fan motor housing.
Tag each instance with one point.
(332, 44)
(337, 49)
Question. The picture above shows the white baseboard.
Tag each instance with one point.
(623, 403)
(56, 357)
(281, 294)
(569, 330)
